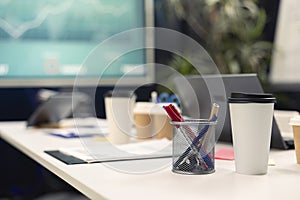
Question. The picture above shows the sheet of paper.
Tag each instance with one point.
(87, 127)
(107, 152)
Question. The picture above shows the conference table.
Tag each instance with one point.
(113, 180)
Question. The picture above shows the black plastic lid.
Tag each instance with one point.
(238, 97)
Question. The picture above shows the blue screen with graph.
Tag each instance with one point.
(47, 42)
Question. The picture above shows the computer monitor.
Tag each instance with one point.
(49, 43)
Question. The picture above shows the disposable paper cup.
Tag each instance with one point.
(161, 122)
(295, 122)
(142, 120)
(162, 126)
(151, 120)
(251, 117)
(118, 107)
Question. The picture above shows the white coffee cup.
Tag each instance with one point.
(119, 114)
(251, 117)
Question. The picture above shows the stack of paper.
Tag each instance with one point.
(108, 152)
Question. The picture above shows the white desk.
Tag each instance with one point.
(97, 181)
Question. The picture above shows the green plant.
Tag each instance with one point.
(230, 31)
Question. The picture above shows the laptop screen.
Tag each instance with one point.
(196, 99)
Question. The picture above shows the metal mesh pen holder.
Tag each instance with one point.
(193, 146)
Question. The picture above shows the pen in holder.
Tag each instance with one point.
(193, 143)
(195, 157)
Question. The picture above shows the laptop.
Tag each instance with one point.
(197, 93)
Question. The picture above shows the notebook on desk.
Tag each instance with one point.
(102, 151)
(196, 86)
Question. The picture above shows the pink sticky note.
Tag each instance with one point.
(224, 154)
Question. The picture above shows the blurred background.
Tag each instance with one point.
(240, 37)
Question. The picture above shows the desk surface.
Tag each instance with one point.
(98, 180)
